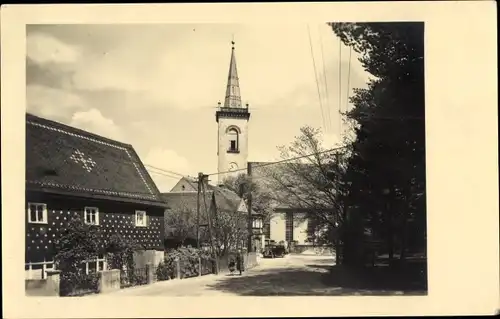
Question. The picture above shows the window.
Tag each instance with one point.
(140, 218)
(91, 215)
(289, 227)
(267, 230)
(233, 139)
(312, 227)
(37, 213)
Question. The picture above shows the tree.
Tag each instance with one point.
(310, 183)
(230, 231)
(386, 169)
(180, 224)
(245, 187)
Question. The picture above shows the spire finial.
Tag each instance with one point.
(232, 40)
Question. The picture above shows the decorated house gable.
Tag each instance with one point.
(63, 159)
(71, 174)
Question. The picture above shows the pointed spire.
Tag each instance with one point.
(233, 97)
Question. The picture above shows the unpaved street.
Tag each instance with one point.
(292, 275)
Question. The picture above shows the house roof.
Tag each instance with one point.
(225, 199)
(67, 160)
(182, 200)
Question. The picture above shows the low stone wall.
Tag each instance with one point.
(109, 280)
(44, 287)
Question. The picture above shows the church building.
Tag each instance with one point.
(232, 151)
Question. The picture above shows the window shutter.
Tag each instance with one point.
(147, 220)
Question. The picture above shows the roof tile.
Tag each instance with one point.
(63, 157)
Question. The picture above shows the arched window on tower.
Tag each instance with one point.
(233, 140)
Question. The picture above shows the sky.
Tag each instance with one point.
(156, 86)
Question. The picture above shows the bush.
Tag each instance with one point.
(188, 259)
(78, 283)
(165, 270)
(120, 253)
(78, 242)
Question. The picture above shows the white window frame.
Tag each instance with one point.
(96, 211)
(44, 213)
(145, 218)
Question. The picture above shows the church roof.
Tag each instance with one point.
(232, 107)
(66, 160)
(233, 96)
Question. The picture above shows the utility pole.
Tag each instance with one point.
(200, 179)
(250, 228)
(201, 182)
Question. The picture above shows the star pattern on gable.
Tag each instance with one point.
(79, 158)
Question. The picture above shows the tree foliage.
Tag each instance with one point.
(244, 186)
(78, 243)
(180, 224)
(310, 184)
(230, 231)
(386, 169)
(229, 228)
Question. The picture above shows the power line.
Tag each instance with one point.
(329, 120)
(340, 87)
(316, 78)
(164, 170)
(281, 161)
(348, 80)
(163, 174)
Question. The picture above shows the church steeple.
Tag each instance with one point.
(232, 129)
(233, 96)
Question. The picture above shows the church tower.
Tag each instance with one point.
(232, 133)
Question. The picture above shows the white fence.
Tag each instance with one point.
(38, 270)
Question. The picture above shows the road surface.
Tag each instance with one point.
(294, 275)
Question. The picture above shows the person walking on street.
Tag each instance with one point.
(239, 261)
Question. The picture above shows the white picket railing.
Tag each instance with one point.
(34, 270)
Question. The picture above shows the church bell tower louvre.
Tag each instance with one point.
(232, 133)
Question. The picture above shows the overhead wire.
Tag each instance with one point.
(165, 170)
(316, 78)
(329, 118)
(281, 161)
(340, 88)
(348, 80)
(348, 86)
